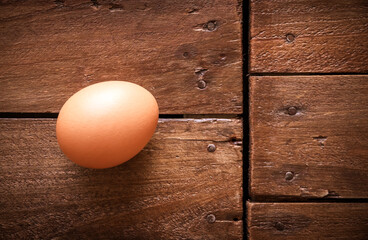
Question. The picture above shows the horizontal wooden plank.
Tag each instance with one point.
(307, 221)
(309, 136)
(188, 54)
(174, 189)
(292, 36)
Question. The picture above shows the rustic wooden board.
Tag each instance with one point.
(51, 49)
(168, 191)
(309, 36)
(307, 221)
(322, 150)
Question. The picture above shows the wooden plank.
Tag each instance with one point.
(319, 152)
(51, 49)
(307, 221)
(168, 191)
(290, 36)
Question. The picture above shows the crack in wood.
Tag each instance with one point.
(321, 140)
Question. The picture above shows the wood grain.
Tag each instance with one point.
(166, 192)
(51, 49)
(308, 36)
(299, 221)
(322, 150)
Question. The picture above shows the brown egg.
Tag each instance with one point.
(106, 124)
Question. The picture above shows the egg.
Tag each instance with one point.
(106, 124)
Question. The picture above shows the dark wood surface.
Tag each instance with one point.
(308, 133)
(168, 191)
(308, 36)
(51, 49)
(335, 221)
(319, 152)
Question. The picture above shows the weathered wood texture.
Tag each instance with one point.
(309, 36)
(308, 221)
(322, 150)
(166, 192)
(51, 49)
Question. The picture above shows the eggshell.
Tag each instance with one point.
(106, 124)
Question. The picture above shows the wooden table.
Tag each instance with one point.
(308, 91)
(296, 94)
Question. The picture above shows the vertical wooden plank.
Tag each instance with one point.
(293, 36)
(309, 137)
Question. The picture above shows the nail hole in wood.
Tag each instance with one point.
(279, 226)
(289, 176)
(210, 26)
(211, 218)
(211, 147)
(202, 84)
(290, 37)
(292, 111)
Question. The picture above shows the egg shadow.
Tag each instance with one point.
(115, 199)
(125, 182)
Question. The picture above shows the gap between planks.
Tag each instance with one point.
(304, 74)
(161, 116)
(292, 201)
